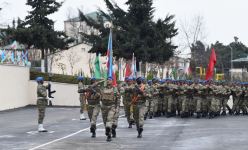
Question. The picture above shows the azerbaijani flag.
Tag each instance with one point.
(110, 71)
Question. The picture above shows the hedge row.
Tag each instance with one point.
(57, 78)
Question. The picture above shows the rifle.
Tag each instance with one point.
(50, 92)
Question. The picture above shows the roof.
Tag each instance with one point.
(92, 15)
(245, 59)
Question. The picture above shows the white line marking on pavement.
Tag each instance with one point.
(65, 137)
(6, 136)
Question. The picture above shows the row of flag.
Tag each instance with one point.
(131, 69)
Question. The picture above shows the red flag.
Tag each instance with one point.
(128, 71)
(212, 62)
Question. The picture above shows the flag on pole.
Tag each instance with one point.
(97, 71)
(110, 71)
(212, 62)
(133, 67)
(128, 71)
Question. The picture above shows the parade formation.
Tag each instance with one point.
(144, 99)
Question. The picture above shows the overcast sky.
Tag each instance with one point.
(223, 19)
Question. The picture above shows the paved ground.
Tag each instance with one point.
(67, 132)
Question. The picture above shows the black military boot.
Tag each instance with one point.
(107, 133)
(145, 116)
(130, 125)
(204, 114)
(223, 113)
(198, 115)
(114, 131)
(140, 130)
(93, 131)
(211, 115)
(169, 114)
(150, 115)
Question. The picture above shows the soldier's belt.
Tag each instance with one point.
(41, 98)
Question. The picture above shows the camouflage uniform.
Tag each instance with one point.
(138, 102)
(236, 92)
(41, 102)
(155, 98)
(93, 98)
(127, 98)
(109, 104)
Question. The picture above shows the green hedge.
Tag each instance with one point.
(57, 78)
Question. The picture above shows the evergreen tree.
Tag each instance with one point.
(134, 31)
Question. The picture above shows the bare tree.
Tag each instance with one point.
(53, 60)
(62, 67)
(73, 58)
(191, 33)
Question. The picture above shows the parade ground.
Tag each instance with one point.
(65, 131)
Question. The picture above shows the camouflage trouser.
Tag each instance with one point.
(151, 105)
(139, 112)
(41, 104)
(185, 105)
(82, 103)
(192, 105)
(215, 104)
(242, 105)
(127, 108)
(170, 104)
(224, 101)
(116, 116)
(205, 104)
(108, 113)
(235, 107)
(165, 104)
(93, 112)
(155, 108)
(178, 104)
(198, 104)
(160, 104)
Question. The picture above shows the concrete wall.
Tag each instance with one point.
(66, 94)
(13, 87)
(16, 90)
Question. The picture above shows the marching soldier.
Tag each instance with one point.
(93, 98)
(127, 98)
(41, 102)
(150, 100)
(138, 102)
(110, 97)
(82, 97)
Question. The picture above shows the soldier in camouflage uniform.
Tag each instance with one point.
(110, 97)
(82, 97)
(182, 96)
(127, 98)
(138, 102)
(155, 96)
(93, 98)
(150, 100)
(41, 102)
(236, 93)
(242, 104)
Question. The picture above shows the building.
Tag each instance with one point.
(74, 27)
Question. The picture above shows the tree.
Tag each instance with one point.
(192, 35)
(223, 53)
(134, 31)
(73, 58)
